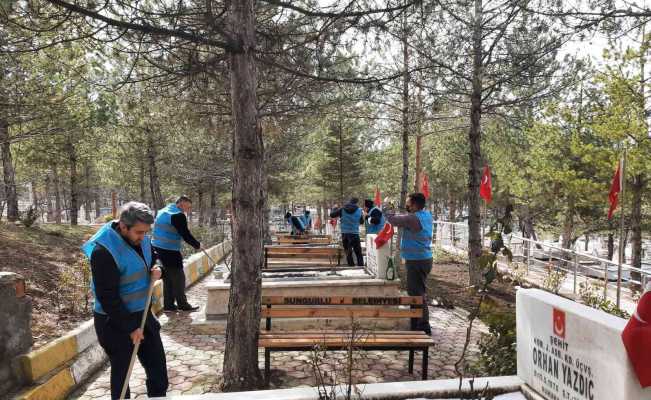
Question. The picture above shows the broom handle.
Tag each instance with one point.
(137, 345)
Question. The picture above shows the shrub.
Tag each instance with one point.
(591, 296)
(497, 349)
(554, 278)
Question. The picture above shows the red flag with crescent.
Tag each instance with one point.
(613, 196)
(424, 187)
(377, 200)
(485, 189)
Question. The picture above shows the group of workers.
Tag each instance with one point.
(123, 265)
(415, 246)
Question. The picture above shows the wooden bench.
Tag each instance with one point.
(343, 307)
(329, 253)
(306, 240)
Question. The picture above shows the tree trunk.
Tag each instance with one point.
(88, 199)
(9, 173)
(611, 245)
(418, 162)
(474, 139)
(141, 176)
(154, 184)
(74, 184)
(568, 226)
(404, 181)
(241, 356)
(213, 204)
(57, 194)
(48, 197)
(637, 188)
(202, 211)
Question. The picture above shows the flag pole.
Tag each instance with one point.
(622, 250)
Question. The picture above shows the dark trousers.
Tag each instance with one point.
(173, 278)
(351, 242)
(417, 271)
(118, 346)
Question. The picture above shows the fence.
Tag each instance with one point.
(539, 257)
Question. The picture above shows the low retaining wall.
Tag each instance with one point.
(57, 368)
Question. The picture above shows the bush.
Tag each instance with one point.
(497, 349)
(591, 296)
(554, 278)
(108, 218)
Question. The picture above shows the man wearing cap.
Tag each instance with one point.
(374, 218)
(121, 262)
(170, 230)
(351, 217)
(416, 249)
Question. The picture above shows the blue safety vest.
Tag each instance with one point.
(350, 222)
(375, 229)
(165, 234)
(134, 270)
(418, 245)
(296, 223)
(306, 220)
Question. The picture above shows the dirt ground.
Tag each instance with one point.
(49, 259)
(56, 274)
(448, 285)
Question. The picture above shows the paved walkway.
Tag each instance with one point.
(194, 362)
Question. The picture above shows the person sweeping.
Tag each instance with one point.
(123, 272)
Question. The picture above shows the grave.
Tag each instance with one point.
(568, 351)
(344, 281)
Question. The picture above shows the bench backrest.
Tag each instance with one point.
(297, 250)
(340, 307)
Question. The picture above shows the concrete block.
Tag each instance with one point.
(55, 388)
(85, 335)
(570, 351)
(87, 363)
(39, 363)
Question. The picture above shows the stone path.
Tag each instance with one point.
(194, 362)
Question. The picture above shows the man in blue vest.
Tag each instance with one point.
(416, 250)
(351, 217)
(374, 218)
(170, 230)
(121, 262)
(306, 218)
(296, 223)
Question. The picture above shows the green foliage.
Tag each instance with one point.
(554, 278)
(592, 295)
(497, 349)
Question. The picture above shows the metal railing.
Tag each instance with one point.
(539, 258)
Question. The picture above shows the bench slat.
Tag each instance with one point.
(344, 337)
(341, 342)
(342, 300)
(335, 332)
(340, 312)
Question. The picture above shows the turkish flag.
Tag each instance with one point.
(377, 200)
(559, 323)
(333, 222)
(485, 189)
(384, 236)
(424, 187)
(615, 188)
(637, 340)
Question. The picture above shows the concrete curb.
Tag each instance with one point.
(435, 389)
(57, 368)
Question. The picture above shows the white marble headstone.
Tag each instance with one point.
(568, 351)
(377, 260)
